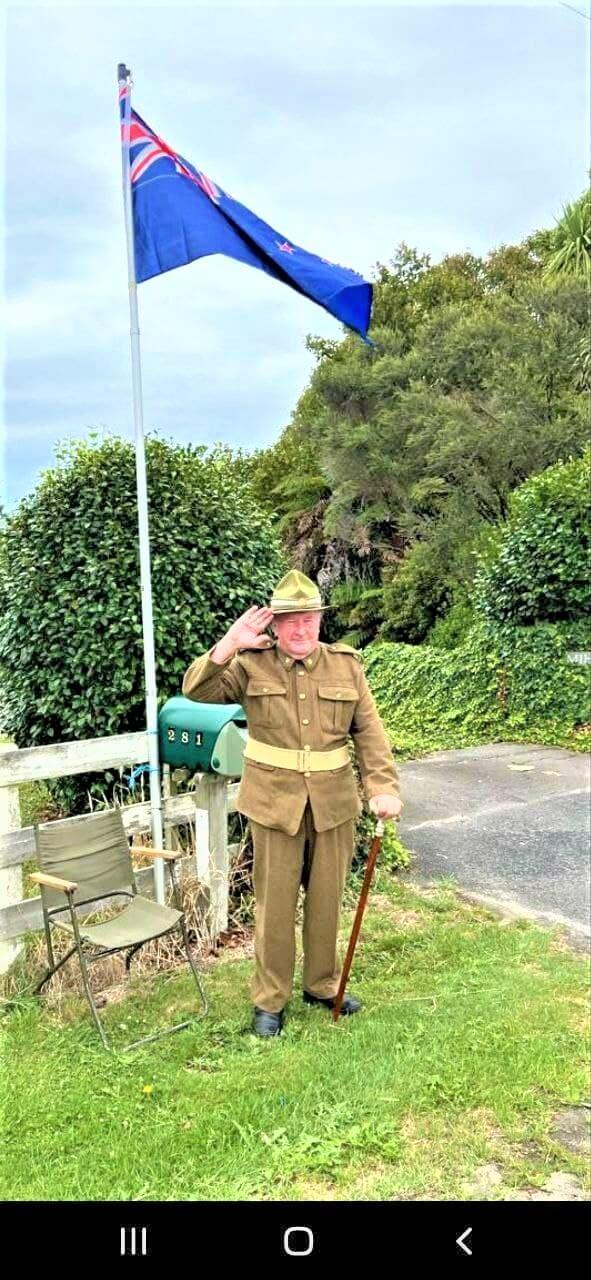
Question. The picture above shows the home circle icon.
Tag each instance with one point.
(297, 1247)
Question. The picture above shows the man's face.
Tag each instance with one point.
(297, 633)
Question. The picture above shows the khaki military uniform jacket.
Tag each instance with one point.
(317, 702)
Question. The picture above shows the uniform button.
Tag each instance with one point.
(309, 662)
(302, 695)
(306, 746)
(300, 671)
(305, 721)
(265, 690)
(307, 773)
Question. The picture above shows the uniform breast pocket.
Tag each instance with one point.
(336, 706)
(265, 704)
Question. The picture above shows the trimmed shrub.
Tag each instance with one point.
(71, 653)
(538, 569)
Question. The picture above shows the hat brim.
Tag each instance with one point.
(290, 608)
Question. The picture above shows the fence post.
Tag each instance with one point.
(219, 871)
(11, 878)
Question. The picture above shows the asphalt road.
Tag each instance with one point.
(509, 822)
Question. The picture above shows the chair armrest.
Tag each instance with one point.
(170, 854)
(53, 882)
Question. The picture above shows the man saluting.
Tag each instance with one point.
(302, 698)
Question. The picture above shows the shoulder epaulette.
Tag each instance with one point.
(345, 648)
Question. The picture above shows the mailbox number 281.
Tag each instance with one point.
(171, 735)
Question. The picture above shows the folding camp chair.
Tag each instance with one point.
(83, 862)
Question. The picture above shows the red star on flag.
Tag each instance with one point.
(285, 247)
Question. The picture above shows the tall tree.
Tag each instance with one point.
(474, 385)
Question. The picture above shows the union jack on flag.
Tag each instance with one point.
(180, 215)
(145, 148)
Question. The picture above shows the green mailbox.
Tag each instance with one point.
(203, 736)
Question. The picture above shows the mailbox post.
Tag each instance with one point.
(219, 863)
(207, 738)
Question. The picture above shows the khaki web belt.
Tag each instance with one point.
(303, 761)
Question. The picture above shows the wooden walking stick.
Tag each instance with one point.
(367, 879)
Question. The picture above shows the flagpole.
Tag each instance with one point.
(124, 81)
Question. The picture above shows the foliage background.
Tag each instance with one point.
(400, 460)
(71, 655)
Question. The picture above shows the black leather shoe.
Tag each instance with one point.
(267, 1024)
(349, 1003)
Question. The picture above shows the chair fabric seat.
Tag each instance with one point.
(141, 920)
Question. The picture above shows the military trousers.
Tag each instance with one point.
(320, 861)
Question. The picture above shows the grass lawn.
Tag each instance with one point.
(472, 1037)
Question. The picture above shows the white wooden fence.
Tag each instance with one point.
(207, 807)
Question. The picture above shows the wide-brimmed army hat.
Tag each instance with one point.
(297, 594)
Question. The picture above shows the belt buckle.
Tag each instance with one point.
(303, 765)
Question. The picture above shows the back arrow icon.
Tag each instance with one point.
(462, 1239)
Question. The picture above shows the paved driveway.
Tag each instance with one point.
(509, 822)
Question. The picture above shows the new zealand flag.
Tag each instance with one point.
(180, 215)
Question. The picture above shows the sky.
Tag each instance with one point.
(348, 127)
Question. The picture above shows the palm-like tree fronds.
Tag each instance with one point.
(571, 240)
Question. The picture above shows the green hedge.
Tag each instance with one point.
(511, 683)
(538, 567)
(71, 652)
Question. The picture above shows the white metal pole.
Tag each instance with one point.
(124, 81)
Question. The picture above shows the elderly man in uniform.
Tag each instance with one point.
(302, 698)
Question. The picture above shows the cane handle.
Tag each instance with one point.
(379, 827)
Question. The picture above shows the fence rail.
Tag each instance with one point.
(208, 806)
(17, 846)
(62, 759)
